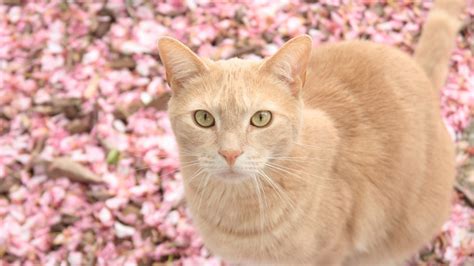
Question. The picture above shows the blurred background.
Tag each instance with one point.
(88, 165)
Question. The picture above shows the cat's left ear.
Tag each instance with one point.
(290, 62)
(181, 64)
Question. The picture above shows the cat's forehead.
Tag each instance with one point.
(233, 86)
(236, 63)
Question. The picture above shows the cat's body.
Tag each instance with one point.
(379, 151)
(357, 165)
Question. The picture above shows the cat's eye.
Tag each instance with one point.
(261, 119)
(204, 118)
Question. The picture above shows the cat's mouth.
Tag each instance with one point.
(231, 174)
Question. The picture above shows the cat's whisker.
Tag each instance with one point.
(295, 157)
(222, 200)
(280, 193)
(198, 172)
(291, 159)
(284, 170)
(187, 162)
(291, 172)
(289, 169)
(188, 165)
(283, 166)
(260, 207)
(200, 190)
(191, 161)
(263, 192)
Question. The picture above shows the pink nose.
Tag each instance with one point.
(230, 156)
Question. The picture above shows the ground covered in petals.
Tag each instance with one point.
(88, 164)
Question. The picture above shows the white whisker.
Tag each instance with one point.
(300, 175)
(201, 191)
(280, 193)
(260, 207)
(196, 174)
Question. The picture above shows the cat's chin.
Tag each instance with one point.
(230, 175)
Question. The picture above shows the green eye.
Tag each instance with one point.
(203, 118)
(261, 119)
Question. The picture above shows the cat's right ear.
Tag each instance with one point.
(290, 62)
(181, 64)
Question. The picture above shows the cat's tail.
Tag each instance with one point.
(437, 39)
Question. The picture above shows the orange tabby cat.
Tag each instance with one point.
(336, 156)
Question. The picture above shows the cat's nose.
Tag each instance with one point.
(230, 155)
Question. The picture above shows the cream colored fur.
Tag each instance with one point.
(356, 167)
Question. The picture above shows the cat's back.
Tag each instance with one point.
(383, 106)
(394, 150)
(363, 82)
(367, 71)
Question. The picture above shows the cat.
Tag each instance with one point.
(335, 155)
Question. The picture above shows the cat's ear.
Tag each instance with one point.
(181, 64)
(290, 62)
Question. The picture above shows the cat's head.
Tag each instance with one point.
(232, 117)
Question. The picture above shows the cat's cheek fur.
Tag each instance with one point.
(275, 143)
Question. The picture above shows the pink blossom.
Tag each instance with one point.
(50, 50)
